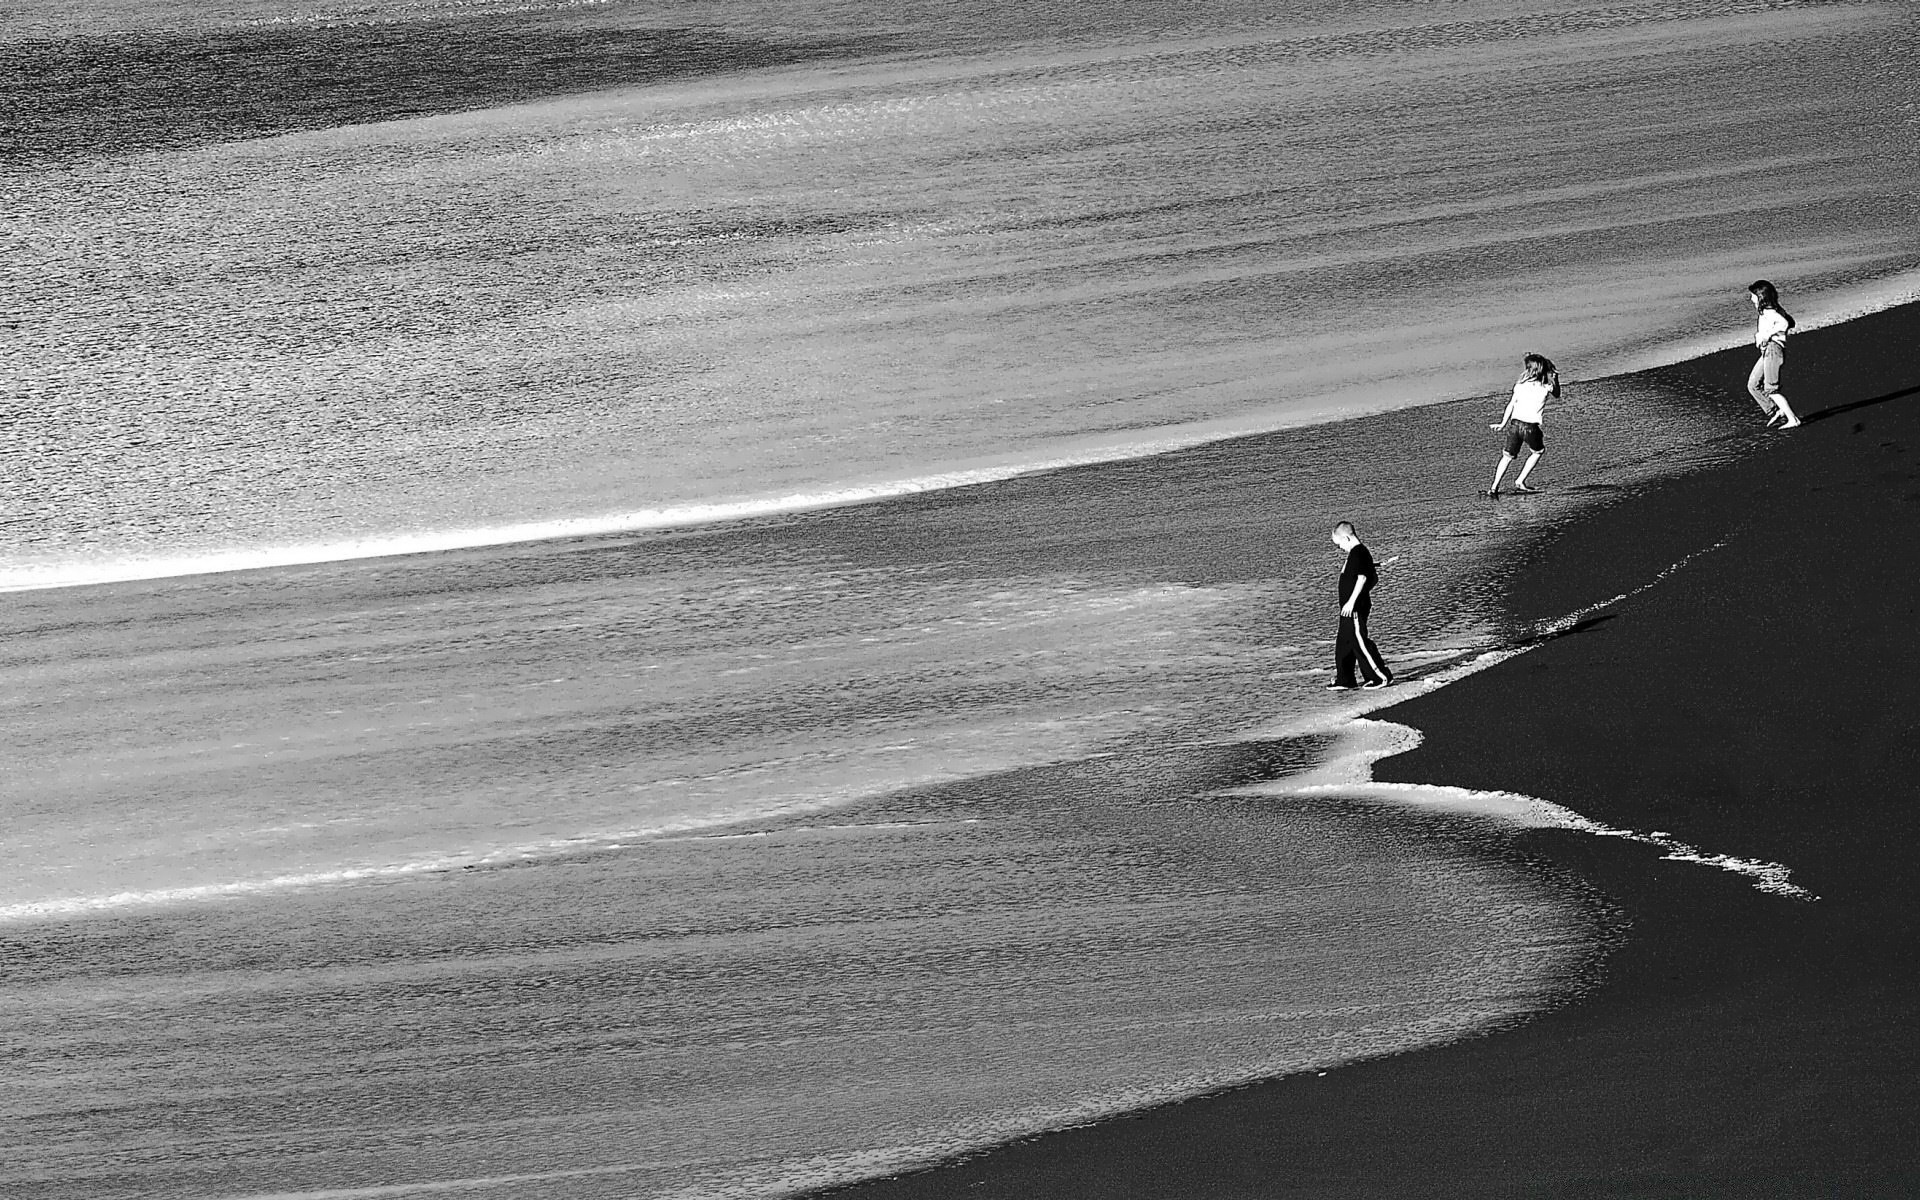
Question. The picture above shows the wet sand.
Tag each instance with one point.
(1763, 701)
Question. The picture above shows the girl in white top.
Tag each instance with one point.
(1770, 339)
(1538, 380)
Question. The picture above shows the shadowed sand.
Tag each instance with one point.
(1762, 701)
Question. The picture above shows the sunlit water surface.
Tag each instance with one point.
(727, 859)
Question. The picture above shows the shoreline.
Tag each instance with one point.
(724, 516)
(418, 722)
(1735, 1042)
(1220, 520)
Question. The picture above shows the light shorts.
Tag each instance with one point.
(1524, 433)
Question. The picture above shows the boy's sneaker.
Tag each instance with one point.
(1342, 687)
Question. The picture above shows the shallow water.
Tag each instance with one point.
(725, 861)
(797, 1004)
(388, 715)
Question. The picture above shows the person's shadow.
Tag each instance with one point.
(1835, 411)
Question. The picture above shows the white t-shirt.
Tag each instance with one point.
(1529, 398)
(1773, 328)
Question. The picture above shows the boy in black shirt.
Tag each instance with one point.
(1352, 645)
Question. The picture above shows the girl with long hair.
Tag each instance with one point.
(1539, 380)
(1770, 339)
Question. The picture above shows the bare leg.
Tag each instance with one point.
(1498, 471)
(1786, 411)
(1520, 483)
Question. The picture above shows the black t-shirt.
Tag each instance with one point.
(1359, 565)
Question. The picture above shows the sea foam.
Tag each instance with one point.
(1348, 773)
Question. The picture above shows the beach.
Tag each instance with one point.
(720, 601)
(1758, 702)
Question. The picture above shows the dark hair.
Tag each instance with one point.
(1770, 298)
(1546, 364)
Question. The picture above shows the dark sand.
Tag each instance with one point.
(1764, 702)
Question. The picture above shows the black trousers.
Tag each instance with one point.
(1353, 647)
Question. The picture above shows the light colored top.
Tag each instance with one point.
(1772, 330)
(1529, 400)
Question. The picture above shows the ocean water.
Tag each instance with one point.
(613, 850)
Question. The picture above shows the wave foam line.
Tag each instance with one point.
(1349, 773)
(551, 848)
(74, 906)
(21, 578)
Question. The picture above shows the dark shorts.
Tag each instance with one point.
(1524, 433)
